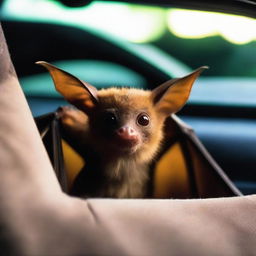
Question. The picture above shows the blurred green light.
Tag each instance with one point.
(199, 24)
(136, 23)
(129, 22)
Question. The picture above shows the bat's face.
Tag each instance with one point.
(126, 123)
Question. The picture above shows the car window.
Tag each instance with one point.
(174, 41)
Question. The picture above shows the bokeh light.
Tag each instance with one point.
(199, 24)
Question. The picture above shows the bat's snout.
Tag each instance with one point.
(128, 135)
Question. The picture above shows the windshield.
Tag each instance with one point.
(176, 41)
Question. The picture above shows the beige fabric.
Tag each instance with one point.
(38, 219)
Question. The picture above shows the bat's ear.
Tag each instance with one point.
(77, 92)
(172, 95)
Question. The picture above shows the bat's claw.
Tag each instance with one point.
(71, 117)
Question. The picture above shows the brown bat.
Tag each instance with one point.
(117, 130)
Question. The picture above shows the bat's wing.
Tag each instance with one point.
(184, 168)
(49, 128)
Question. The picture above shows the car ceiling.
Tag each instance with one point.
(241, 7)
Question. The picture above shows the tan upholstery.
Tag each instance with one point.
(38, 219)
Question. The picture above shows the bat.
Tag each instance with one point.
(118, 131)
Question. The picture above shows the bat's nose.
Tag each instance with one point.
(127, 133)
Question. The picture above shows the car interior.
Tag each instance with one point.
(97, 48)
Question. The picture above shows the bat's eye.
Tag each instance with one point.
(143, 119)
(110, 118)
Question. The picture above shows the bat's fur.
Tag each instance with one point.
(113, 170)
(117, 162)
